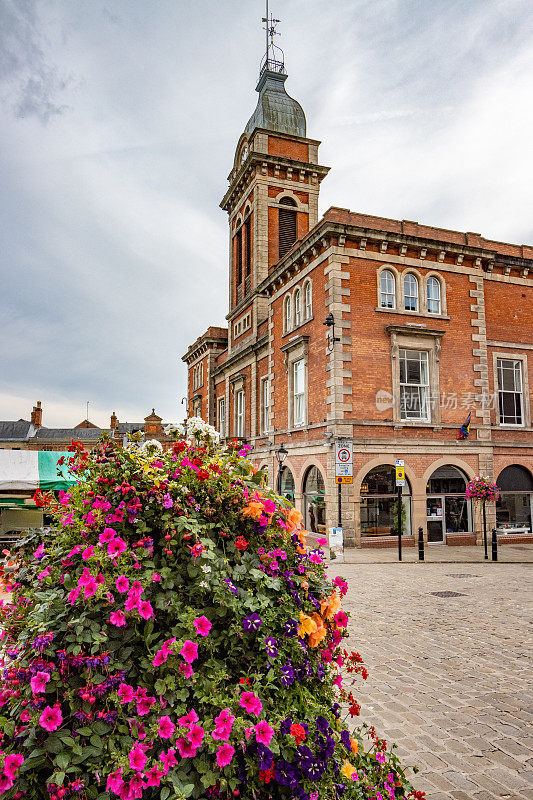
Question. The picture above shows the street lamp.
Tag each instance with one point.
(281, 455)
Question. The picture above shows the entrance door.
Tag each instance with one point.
(435, 520)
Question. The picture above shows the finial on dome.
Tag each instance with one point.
(274, 59)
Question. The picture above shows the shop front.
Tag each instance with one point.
(447, 510)
(515, 505)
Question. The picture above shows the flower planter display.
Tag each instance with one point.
(174, 637)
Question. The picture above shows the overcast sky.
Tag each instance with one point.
(119, 124)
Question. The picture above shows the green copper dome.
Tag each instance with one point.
(275, 110)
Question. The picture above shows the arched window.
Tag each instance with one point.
(287, 484)
(287, 226)
(379, 503)
(514, 509)
(448, 511)
(314, 502)
(410, 292)
(308, 300)
(387, 290)
(297, 308)
(433, 295)
(287, 315)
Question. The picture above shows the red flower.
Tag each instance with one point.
(203, 474)
(241, 543)
(298, 732)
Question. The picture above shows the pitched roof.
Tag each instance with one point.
(81, 434)
(15, 431)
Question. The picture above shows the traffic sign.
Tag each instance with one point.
(344, 479)
(400, 472)
(344, 458)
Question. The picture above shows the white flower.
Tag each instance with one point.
(206, 569)
(194, 426)
(204, 584)
(151, 446)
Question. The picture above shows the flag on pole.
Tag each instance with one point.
(464, 433)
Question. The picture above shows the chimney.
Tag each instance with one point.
(37, 415)
(114, 421)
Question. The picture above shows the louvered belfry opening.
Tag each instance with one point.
(287, 226)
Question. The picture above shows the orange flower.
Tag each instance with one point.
(307, 625)
(355, 746)
(254, 509)
(294, 518)
(329, 607)
(321, 631)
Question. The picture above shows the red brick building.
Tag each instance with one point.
(430, 325)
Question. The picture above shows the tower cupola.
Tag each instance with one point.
(276, 110)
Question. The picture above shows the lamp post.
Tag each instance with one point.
(281, 455)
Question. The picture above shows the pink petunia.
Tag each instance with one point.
(168, 759)
(136, 589)
(189, 651)
(117, 618)
(125, 692)
(73, 595)
(44, 574)
(39, 681)
(122, 584)
(51, 718)
(166, 727)
(39, 553)
(12, 763)
(251, 703)
(189, 719)
(88, 552)
(145, 609)
(137, 758)
(186, 670)
(5, 784)
(263, 732)
(322, 541)
(159, 658)
(144, 705)
(185, 748)
(341, 619)
(202, 625)
(316, 558)
(107, 536)
(223, 725)
(90, 587)
(156, 576)
(115, 782)
(196, 735)
(116, 547)
(153, 777)
(131, 603)
(225, 755)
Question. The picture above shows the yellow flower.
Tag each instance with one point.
(307, 625)
(347, 770)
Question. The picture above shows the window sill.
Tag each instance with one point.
(422, 314)
(297, 327)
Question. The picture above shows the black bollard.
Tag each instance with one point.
(420, 544)
(494, 545)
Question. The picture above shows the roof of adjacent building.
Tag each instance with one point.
(15, 431)
(81, 434)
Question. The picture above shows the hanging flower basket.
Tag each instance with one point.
(481, 490)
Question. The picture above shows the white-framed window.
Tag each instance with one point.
(197, 376)
(414, 384)
(197, 407)
(298, 392)
(433, 295)
(308, 300)
(265, 405)
(510, 391)
(221, 416)
(297, 307)
(287, 321)
(410, 292)
(387, 289)
(239, 413)
(242, 325)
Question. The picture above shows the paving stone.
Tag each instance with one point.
(435, 685)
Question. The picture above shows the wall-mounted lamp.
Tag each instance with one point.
(330, 323)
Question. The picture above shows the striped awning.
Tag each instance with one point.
(34, 469)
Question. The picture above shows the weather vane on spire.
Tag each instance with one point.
(274, 59)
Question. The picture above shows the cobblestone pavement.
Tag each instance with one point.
(449, 677)
(507, 553)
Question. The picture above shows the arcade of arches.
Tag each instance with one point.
(436, 503)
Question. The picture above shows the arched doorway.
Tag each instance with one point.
(448, 511)
(287, 484)
(314, 501)
(378, 508)
(515, 505)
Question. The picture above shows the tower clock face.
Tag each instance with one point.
(244, 154)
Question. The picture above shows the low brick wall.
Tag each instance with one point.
(458, 539)
(389, 541)
(515, 538)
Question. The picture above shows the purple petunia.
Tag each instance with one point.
(252, 623)
(271, 647)
(287, 674)
(291, 627)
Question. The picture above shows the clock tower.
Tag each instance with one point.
(272, 198)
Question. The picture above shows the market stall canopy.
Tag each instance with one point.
(34, 469)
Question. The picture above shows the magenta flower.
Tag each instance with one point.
(145, 609)
(196, 735)
(116, 547)
(125, 692)
(263, 732)
(168, 759)
(5, 783)
(189, 719)
(156, 576)
(251, 703)
(166, 727)
(39, 681)
(90, 587)
(202, 625)
(137, 758)
(225, 755)
(51, 718)
(122, 584)
(39, 553)
(223, 725)
(107, 536)
(153, 777)
(341, 619)
(186, 670)
(88, 552)
(115, 782)
(189, 651)
(185, 748)
(73, 595)
(12, 764)
(144, 705)
(167, 501)
(131, 603)
(117, 618)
